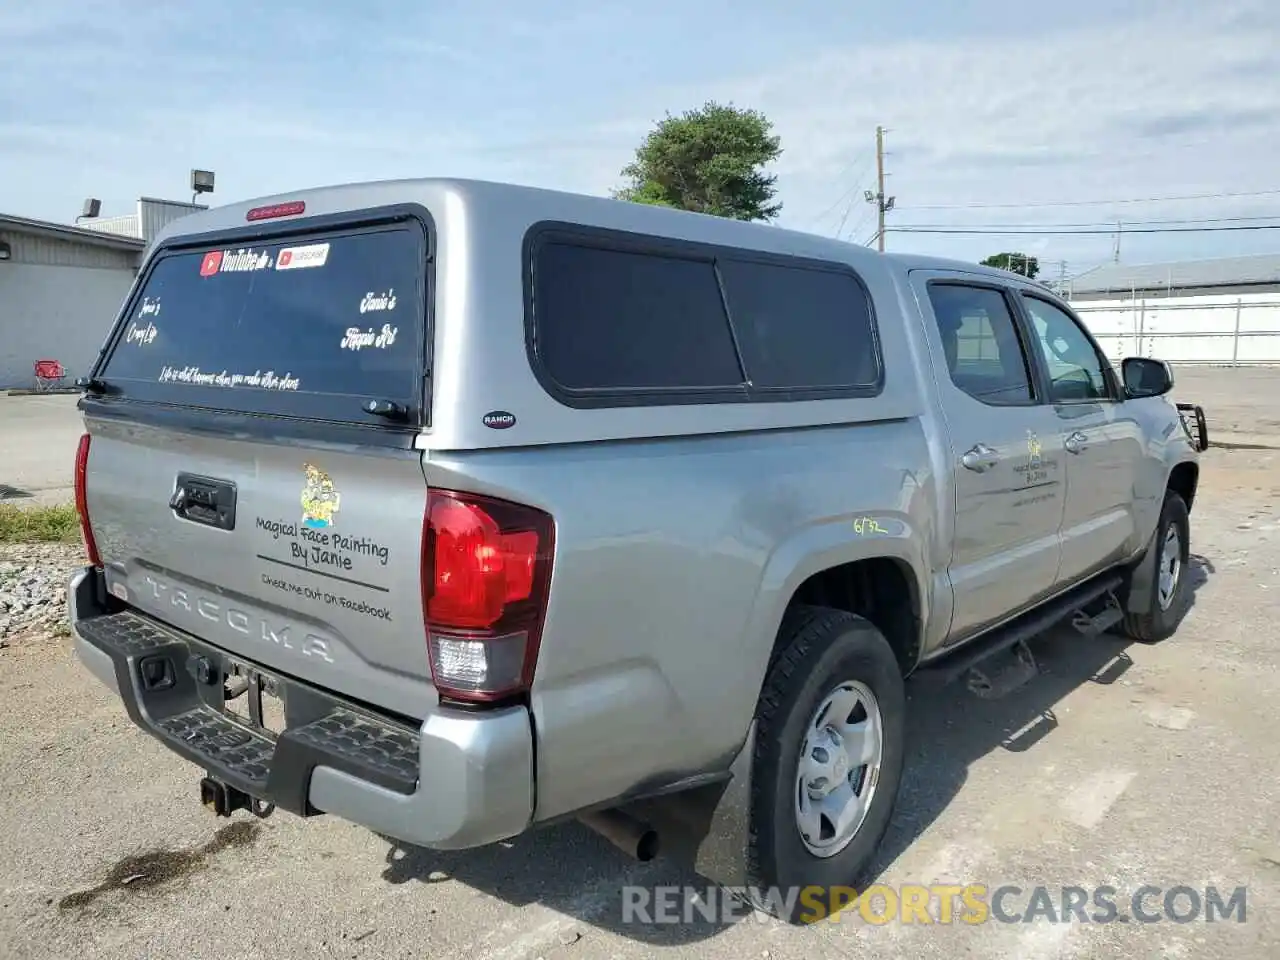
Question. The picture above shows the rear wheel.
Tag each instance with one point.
(828, 760)
(1170, 594)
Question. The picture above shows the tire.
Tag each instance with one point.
(1160, 619)
(822, 649)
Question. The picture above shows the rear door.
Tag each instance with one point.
(240, 484)
(1005, 446)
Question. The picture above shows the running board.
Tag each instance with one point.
(953, 664)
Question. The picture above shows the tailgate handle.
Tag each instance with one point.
(205, 500)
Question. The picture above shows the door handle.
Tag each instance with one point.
(204, 500)
(1075, 443)
(980, 458)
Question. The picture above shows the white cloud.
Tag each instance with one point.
(1027, 111)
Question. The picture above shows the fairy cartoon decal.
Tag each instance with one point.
(319, 498)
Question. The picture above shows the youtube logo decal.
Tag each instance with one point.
(250, 260)
(210, 264)
(234, 261)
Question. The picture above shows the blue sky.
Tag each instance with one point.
(993, 108)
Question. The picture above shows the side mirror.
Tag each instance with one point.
(1144, 377)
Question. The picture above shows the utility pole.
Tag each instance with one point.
(883, 204)
(1119, 230)
(880, 186)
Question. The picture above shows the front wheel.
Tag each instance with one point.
(1170, 595)
(828, 762)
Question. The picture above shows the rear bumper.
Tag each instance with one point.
(457, 780)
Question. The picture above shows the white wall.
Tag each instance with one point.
(1242, 329)
(58, 313)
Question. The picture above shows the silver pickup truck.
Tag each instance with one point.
(457, 509)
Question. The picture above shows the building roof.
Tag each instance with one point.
(58, 231)
(150, 217)
(1185, 275)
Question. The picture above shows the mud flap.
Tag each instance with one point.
(706, 827)
(1142, 580)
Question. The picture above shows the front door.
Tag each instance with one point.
(1102, 441)
(1006, 449)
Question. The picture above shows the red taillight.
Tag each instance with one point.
(82, 502)
(486, 570)
(291, 209)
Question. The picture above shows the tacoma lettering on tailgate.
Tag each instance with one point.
(247, 624)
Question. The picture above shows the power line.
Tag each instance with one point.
(860, 226)
(1046, 232)
(1090, 203)
(845, 218)
(1181, 221)
(851, 193)
(849, 209)
(857, 183)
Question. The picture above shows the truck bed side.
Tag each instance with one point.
(675, 559)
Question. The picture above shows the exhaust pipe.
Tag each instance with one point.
(631, 836)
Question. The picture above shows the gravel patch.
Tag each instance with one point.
(33, 586)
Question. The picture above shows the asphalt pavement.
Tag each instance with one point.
(38, 436)
(1241, 404)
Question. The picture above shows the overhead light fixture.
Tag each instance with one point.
(202, 181)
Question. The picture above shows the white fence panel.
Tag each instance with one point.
(1212, 330)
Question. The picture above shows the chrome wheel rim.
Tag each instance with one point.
(1170, 567)
(838, 769)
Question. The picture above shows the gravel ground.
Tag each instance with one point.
(33, 585)
(1119, 764)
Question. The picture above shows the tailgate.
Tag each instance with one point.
(244, 482)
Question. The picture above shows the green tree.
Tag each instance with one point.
(709, 160)
(1021, 263)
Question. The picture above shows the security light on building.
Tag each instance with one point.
(201, 181)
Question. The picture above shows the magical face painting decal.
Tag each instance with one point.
(319, 498)
(1033, 449)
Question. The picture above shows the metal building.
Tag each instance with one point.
(61, 286)
(149, 219)
(1224, 311)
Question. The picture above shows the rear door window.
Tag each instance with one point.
(306, 326)
(980, 341)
